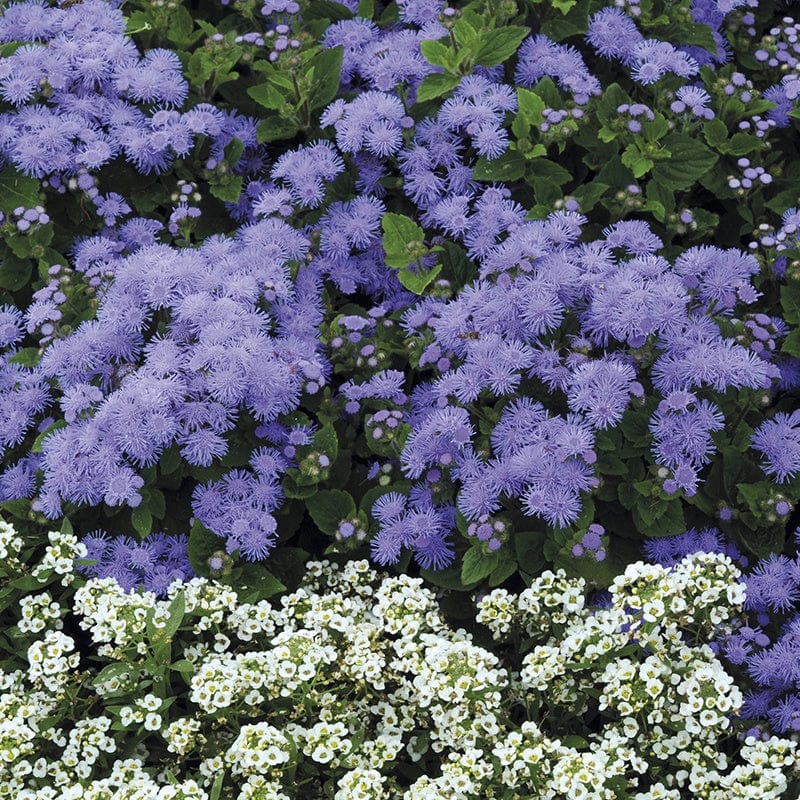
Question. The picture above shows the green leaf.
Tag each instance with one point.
(635, 161)
(267, 95)
(449, 578)
(438, 54)
(176, 609)
(530, 105)
(529, 548)
(326, 441)
(366, 9)
(293, 489)
(690, 161)
(329, 507)
(228, 190)
(200, 547)
(504, 570)
(654, 129)
(457, 267)
(326, 9)
(181, 26)
(507, 168)
(9, 48)
(39, 441)
(274, 129)
(695, 33)
(184, 666)
(400, 235)
(417, 282)
(27, 583)
(170, 460)
(613, 97)
(464, 33)
(142, 521)
(327, 66)
(497, 46)
(216, 787)
(200, 68)
(790, 300)
(554, 173)
(478, 565)
(288, 565)
(715, 132)
(14, 272)
(157, 504)
(741, 144)
(435, 85)
(256, 583)
(791, 344)
(17, 508)
(589, 194)
(28, 357)
(656, 193)
(111, 671)
(17, 190)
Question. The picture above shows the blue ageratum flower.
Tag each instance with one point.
(153, 563)
(778, 441)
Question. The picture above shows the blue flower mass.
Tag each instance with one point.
(478, 293)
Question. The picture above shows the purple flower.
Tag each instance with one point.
(696, 99)
(152, 564)
(778, 441)
(307, 170)
(613, 34)
(371, 121)
(601, 390)
(538, 57)
(652, 59)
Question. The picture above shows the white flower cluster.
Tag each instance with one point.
(10, 544)
(39, 611)
(51, 660)
(59, 557)
(670, 700)
(355, 683)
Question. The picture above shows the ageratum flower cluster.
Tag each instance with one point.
(505, 336)
(489, 290)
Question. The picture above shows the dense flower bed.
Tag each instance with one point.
(355, 686)
(482, 293)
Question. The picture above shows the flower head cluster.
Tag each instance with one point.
(354, 677)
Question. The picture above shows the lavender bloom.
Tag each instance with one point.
(396, 57)
(371, 121)
(152, 564)
(126, 402)
(773, 585)
(438, 441)
(695, 99)
(613, 34)
(683, 436)
(19, 480)
(353, 35)
(12, 327)
(692, 359)
(478, 106)
(420, 12)
(538, 57)
(601, 390)
(305, 171)
(652, 59)
(669, 550)
(778, 441)
(421, 527)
